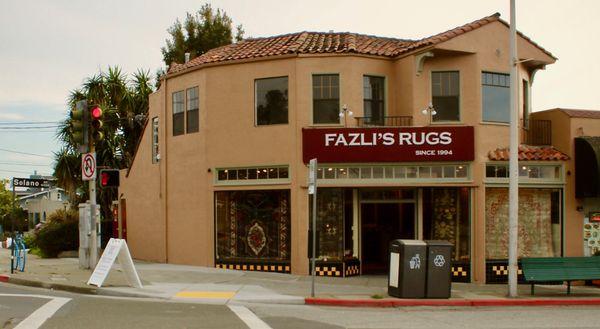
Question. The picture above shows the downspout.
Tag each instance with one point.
(164, 158)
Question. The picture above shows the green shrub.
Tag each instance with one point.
(30, 240)
(54, 237)
(61, 216)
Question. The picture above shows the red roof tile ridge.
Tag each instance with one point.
(529, 153)
(578, 113)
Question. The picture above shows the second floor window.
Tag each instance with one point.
(271, 101)
(178, 113)
(495, 94)
(374, 99)
(445, 92)
(192, 119)
(326, 98)
(155, 140)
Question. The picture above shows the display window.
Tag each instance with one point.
(539, 232)
(253, 225)
(446, 217)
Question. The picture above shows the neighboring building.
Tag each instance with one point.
(41, 204)
(220, 175)
(577, 133)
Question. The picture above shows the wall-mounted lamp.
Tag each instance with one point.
(429, 111)
(345, 113)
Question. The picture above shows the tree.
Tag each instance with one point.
(124, 104)
(204, 30)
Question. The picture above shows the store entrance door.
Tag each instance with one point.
(382, 222)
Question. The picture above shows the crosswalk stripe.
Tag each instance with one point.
(39, 316)
(249, 318)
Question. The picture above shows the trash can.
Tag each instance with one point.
(407, 269)
(439, 269)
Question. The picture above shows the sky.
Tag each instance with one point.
(48, 48)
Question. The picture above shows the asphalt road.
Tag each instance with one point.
(24, 307)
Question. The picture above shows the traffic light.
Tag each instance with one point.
(79, 125)
(96, 114)
(109, 178)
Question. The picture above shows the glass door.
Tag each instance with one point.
(385, 215)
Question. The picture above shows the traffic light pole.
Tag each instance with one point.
(93, 219)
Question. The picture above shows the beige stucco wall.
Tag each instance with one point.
(170, 205)
(564, 131)
(141, 189)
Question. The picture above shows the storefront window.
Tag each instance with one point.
(253, 225)
(238, 175)
(330, 223)
(539, 223)
(446, 217)
(425, 172)
(541, 172)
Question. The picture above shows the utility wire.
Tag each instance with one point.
(16, 171)
(38, 127)
(39, 155)
(28, 122)
(24, 164)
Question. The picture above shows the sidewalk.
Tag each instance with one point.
(217, 286)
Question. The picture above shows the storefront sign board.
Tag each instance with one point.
(115, 249)
(406, 144)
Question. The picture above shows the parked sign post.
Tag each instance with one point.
(312, 189)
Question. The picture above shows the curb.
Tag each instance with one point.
(48, 285)
(450, 302)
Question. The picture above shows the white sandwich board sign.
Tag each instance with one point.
(115, 249)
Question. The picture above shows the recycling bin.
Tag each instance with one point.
(408, 265)
(439, 269)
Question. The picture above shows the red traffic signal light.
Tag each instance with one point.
(96, 113)
(109, 178)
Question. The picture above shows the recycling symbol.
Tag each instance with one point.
(439, 260)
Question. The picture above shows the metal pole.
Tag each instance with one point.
(314, 236)
(12, 227)
(93, 224)
(513, 190)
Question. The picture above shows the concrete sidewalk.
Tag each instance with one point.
(218, 286)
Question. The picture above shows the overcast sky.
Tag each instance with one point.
(47, 48)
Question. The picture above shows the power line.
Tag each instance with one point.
(39, 155)
(16, 171)
(24, 164)
(27, 131)
(28, 122)
(38, 127)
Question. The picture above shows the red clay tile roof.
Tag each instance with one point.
(529, 153)
(335, 43)
(588, 114)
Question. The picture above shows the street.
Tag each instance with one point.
(28, 307)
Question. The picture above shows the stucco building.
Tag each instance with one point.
(411, 139)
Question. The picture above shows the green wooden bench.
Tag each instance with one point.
(549, 269)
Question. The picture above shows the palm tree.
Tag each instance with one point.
(124, 104)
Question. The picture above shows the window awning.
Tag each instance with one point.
(587, 167)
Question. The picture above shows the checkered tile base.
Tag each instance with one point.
(461, 272)
(261, 267)
(496, 271)
(350, 267)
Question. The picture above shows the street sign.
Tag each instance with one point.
(88, 166)
(30, 182)
(312, 176)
